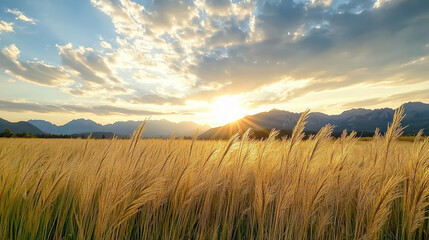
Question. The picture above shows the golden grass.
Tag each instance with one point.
(237, 189)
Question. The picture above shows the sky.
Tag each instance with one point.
(208, 61)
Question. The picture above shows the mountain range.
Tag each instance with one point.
(154, 128)
(82, 127)
(363, 121)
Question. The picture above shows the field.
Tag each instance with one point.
(319, 188)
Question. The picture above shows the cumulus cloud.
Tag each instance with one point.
(32, 71)
(245, 45)
(169, 35)
(170, 14)
(123, 21)
(92, 70)
(152, 51)
(6, 27)
(334, 49)
(20, 16)
(83, 71)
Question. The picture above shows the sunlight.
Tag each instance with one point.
(227, 109)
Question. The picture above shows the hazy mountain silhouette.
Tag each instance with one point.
(360, 120)
(154, 128)
(19, 127)
(73, 127)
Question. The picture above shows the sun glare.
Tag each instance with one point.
(227, 109)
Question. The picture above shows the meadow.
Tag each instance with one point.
(320, 188)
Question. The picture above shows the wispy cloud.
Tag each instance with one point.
(416, 95)
(106, 45)
(20, 16)
(98, 110)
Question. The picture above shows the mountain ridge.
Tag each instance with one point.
(19, 127)
(359, 119)
(153, 128)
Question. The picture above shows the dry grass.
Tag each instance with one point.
(236, 189)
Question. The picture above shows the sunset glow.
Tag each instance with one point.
(226, 109)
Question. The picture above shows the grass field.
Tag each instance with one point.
(238, 189)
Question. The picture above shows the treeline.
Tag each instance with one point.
(7, 133)
(259, 135)
(263, 134)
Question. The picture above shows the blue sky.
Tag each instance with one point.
(208, 61)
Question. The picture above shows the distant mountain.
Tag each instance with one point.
(154, 128)
(45, 125)
(19, 127)
(72, 127)
(164, 128)
(360, 120)
(81, 125)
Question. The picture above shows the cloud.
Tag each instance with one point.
(87, 64)
(151, 52)
(32, 71)
(124, 23)
(416, 95)
(220, 5)
(334, 49)
(186, 54)
(228, 35)
(83, 72)
(92, 71)
(98, 110)
(166, 37)
(28, 107)
(106, 45)
(158, 100)
(380, 3)
(355, 6)
(204, 49)
(20, 16)
(170, 14)
(6, 27)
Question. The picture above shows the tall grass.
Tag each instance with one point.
(319, 188)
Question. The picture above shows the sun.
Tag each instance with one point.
(227, 109)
